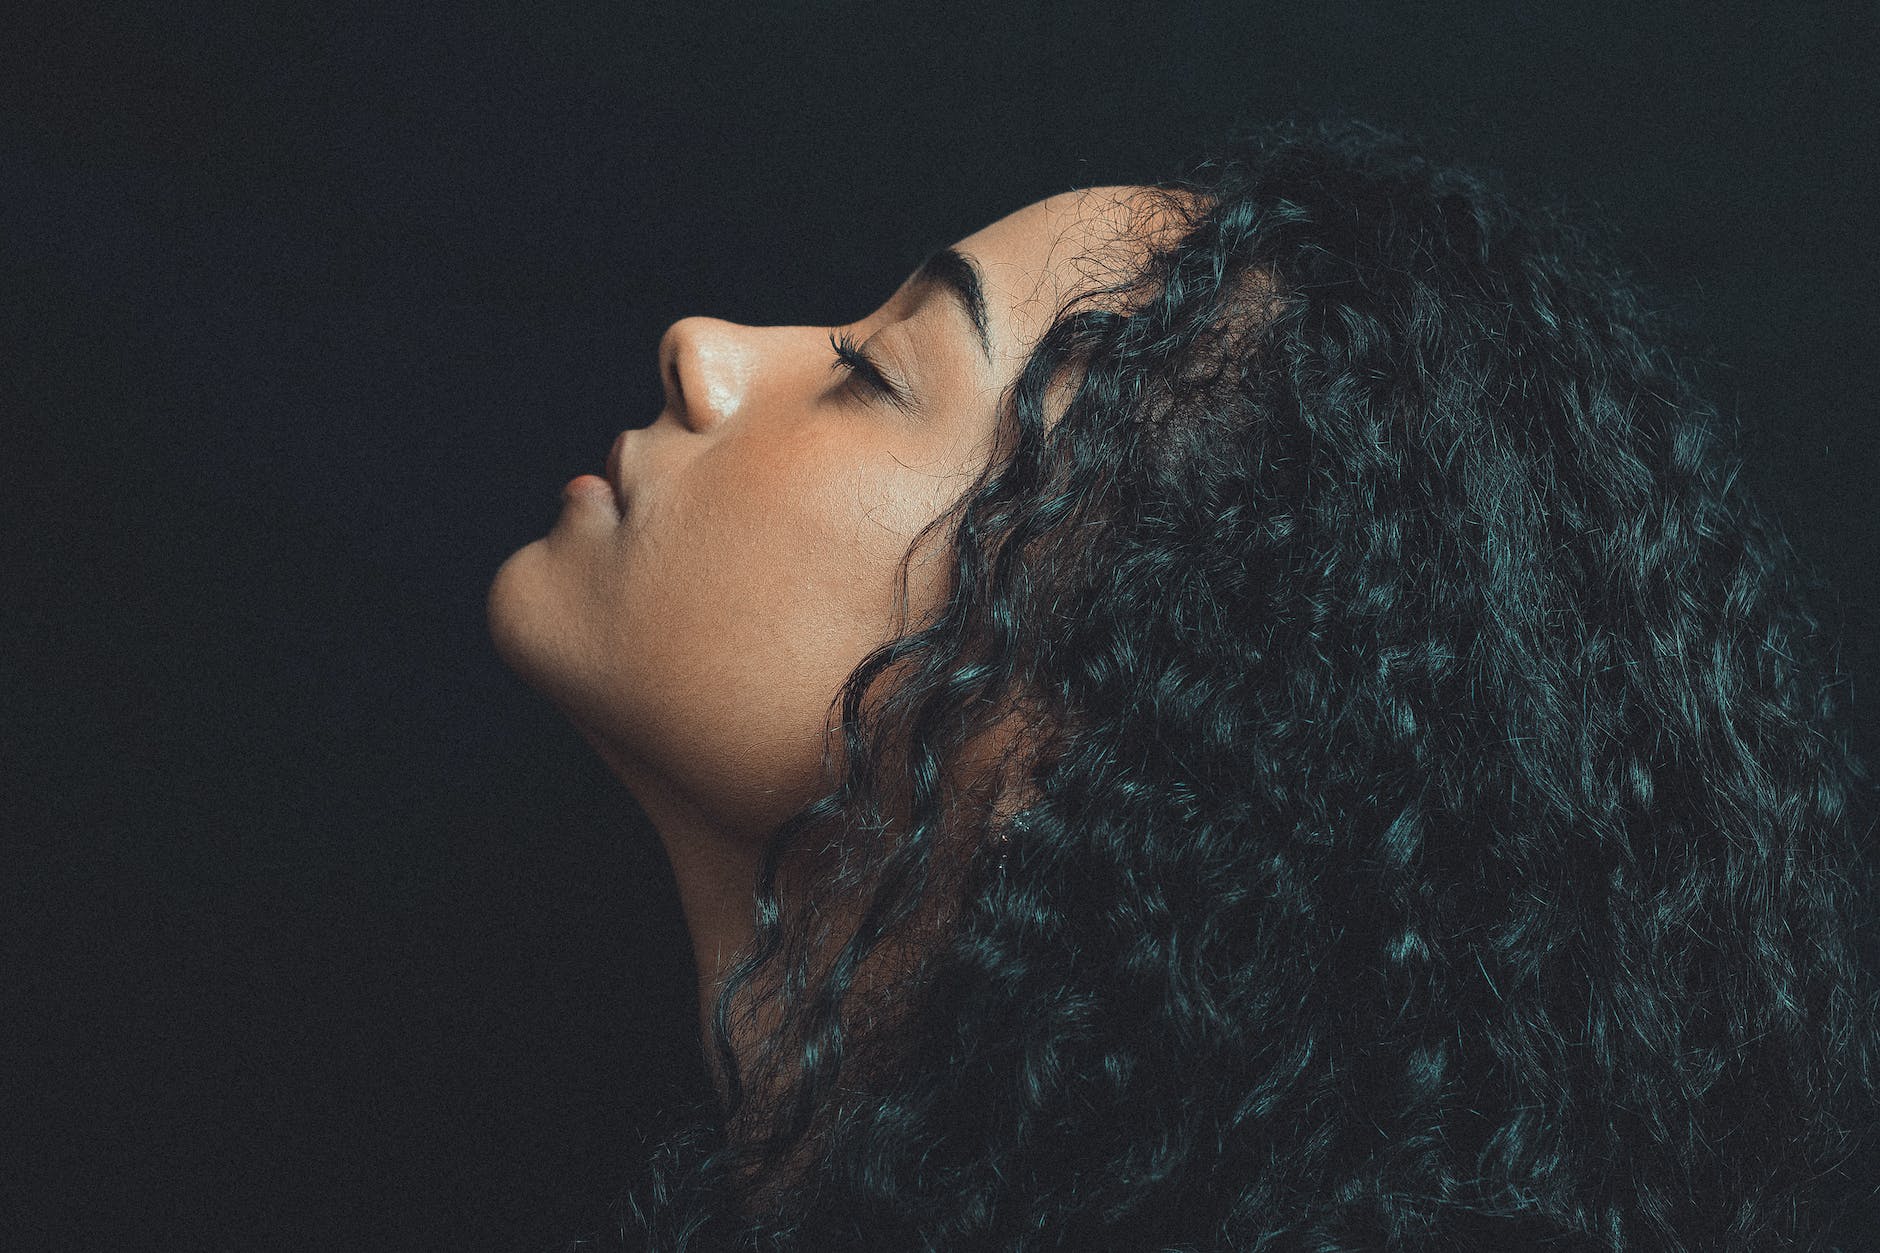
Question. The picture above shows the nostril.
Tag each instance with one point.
(695, 348)
(675, 387)
(671, 358)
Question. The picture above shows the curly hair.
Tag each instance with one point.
(1434, 826)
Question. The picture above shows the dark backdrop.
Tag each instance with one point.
(322, 930)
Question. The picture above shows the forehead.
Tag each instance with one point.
(1037, 256)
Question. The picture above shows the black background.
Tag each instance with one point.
(323, 931)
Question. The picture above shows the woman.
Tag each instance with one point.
(1341, 767)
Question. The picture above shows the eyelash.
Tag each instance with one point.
(856, 361)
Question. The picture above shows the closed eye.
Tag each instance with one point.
(854, 358)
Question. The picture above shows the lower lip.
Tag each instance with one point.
(588, 485)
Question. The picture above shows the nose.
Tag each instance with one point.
(705, 367)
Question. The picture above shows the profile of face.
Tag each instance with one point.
(695, 616)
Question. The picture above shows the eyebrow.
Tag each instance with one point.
(955, 273)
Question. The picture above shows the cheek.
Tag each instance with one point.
(792, 554)
(749, 589)
(746, 589)
(819, 514)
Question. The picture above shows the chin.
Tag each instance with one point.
(515, 609)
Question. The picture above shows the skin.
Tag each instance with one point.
(698, 637)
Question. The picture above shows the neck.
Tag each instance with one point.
(716, 883)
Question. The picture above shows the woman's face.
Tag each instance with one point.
(696, 617)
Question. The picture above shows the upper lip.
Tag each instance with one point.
(613, 469)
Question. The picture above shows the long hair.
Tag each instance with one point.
(1432, 822)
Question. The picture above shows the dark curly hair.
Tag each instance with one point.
(1431, 823)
